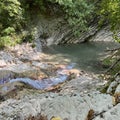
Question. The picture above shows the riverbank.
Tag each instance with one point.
(73, 99)
(25, 67)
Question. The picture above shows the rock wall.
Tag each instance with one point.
(103, 34)
(55, 30)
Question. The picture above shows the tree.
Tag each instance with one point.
(110, 12)
(78, 13)
(11, 16)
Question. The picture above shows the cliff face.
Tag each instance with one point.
(54, 30)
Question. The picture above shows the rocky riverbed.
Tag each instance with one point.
(77, 98)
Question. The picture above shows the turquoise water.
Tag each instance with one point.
(86, 55)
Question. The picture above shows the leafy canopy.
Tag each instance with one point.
(11, 16)
(10, 13)
(78, 13)
(110, 11)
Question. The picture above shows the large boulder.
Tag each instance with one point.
(104, 35)
(65, 106)
(6, 75)
(25, 70)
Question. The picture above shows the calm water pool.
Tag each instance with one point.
(86, 55)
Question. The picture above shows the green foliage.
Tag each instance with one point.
(15, 14)
(9, 40)
(110, 11)
(27, 36)
(31, 5)
(78, 13)
(116, 37)
(11, 18)
(8, 31)
(41, 4)
(11, 13)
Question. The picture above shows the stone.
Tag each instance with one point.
(63, 34)
(111, 114)
(26, 70)
(82, 84)
(9, 90)
(2, 63)
(103, 34)
(6, 74)
(117, 89)
(112, 87)
(74, 100)
(64, 106)
(31, 108)
(56, 33)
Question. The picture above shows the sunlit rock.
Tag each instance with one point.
(64, 106)
(2, 63)
(103, 35)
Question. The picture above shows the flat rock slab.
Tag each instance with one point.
(19, 68)
(72, 107)
(83, 84)
(6, 74)
(25, 70)
(112, 114)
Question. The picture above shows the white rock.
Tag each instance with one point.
(2, 63)
(112, 86)
(117, 89)
(111, 114)
(103, 35)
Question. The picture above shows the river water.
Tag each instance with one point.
(87, 56)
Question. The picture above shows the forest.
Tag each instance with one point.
(50, 66)
(15, 15)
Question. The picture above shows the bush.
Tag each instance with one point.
(110, 11)
(78, 13)
(11, 18)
